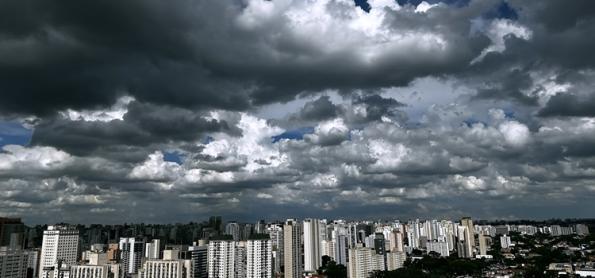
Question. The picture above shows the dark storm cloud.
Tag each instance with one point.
(518, 130)
(558, 33)
(566, 104)
(558, 45)
(557, 15)
(378, 106)
(322, 109)
(144, 125)
(62, 54)
(319, 109)
(509, 85)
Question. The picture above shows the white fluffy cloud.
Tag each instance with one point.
(470, 182)
(254, 147)
(156, 168)
(388, 155)
(15, 157)
(515, 133)
(333, 26)
(329, 133)
(505, 135)
(424, 7)
(116, 112)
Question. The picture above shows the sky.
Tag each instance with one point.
(170, 111)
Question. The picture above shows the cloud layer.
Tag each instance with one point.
(171, 111)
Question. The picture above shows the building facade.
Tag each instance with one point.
(131, 254)
(292, 232)
(470, 240)
(395, 260)
(199, 255)
(166, 269)
(13, 263)
(153, 249)
(94, 271)
(312, 256)
(60, 245)
(221, 258)
(259, 258)
(363, 261)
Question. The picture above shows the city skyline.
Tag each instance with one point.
(171, 111)
(315, 248)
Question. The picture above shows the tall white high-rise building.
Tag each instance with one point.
(240, 260)
(426, 230)
(328, 248)
(464, 248)
(259, 258)
(233, 229)
(341, 245)
(352, 234)
(413, 233)
(260, 227)
(467, 222)
(275, 231)
(435, 229)
(153, 249)
(131, 252)
(341, 249)
(505, 241)
(396, 241)
(450, 233)
(483, 245)
(395, 260)
(323, 233)
(312, 257)
(60, 244)
(292, 249)
(221, 258)
(363, 261)
(581, 229)
(438, 246)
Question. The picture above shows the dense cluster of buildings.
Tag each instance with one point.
(293, 248)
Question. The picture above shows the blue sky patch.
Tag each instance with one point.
(294, 134)
(455, 3)
(207, 139)
(503, 10)
(471, 121)
(173, 157)
(509, 114)
(13, 133)
(363, 4)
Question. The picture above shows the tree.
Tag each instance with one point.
(416, 252)
(399, 273)
(331, 269)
